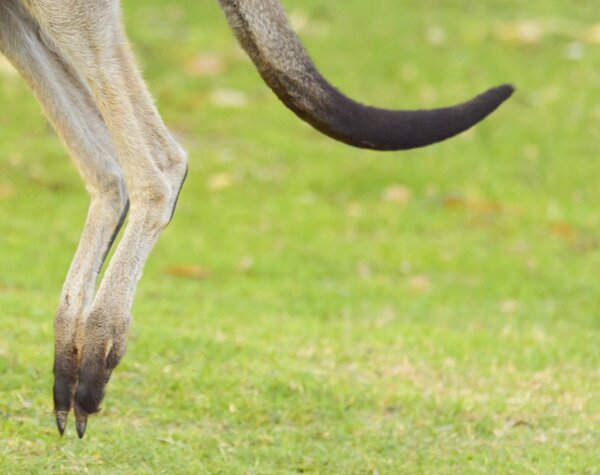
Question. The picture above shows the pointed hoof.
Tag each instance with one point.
(61, 421)
(80, 425)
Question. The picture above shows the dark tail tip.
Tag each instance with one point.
(382, 129)
(497, 95)
(468, 114)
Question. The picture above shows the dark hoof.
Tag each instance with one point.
(61, 421)
(81, 425)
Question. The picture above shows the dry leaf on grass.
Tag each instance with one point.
(205, 64)
(436, 35)
(354, 210)
(509, 307)
(220, 181)
(527, 32)
(419, 283)
(6, 191)
(563, 230)
(592, 34)
(399, 194)
(575, 51)
(246, 264)
(298, 19)
(188, 272)
(364, 271)
(229, 98)
(471, 204)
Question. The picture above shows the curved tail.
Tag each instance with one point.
(263, 30)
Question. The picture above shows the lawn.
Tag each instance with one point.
(314, 308)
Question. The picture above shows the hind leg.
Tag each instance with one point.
(71, 109)
(90, 35)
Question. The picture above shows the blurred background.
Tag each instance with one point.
(314, 308)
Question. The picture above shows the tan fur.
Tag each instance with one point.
(75, 57)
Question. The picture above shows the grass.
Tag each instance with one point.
(318, 309)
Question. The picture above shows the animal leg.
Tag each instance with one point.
(70, 108)
(90, 35)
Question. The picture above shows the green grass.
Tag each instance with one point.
(454, 331)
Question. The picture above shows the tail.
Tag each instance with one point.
(263, 30)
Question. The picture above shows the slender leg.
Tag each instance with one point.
(70, 107)
(90, 35)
